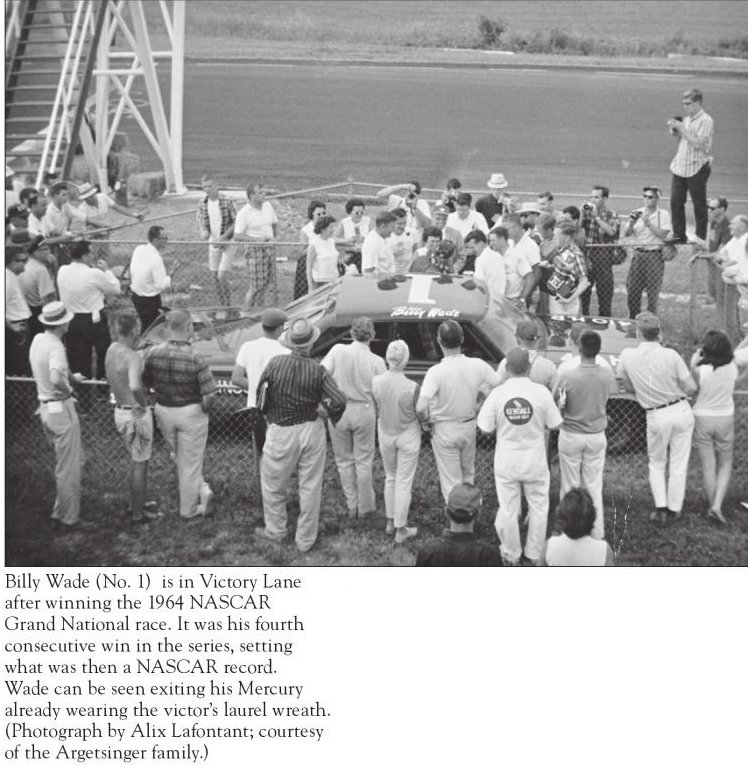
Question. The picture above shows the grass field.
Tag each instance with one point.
(589, 29)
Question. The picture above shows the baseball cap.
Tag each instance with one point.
(526, 330)
(439, 209)
(647, 322)
(273, 317)
(463, 501)
(518, 360)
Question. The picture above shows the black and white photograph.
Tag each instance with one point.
(399, 195)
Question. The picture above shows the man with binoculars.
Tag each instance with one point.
(647, 228)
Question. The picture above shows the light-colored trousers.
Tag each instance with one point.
(286, 448)
(581, 460)
(353, 443)
(400, 460)
(670, 429)
(64, 432)
(454, 453)
(185, 431)
(516, 470)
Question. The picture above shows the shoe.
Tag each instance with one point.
(659, 516)
(525, 561)
(368, 514)
(715, 515)
(262, 533)
(198, 512)
(671, 238)
(389, 529)
(353, 512)
(304, 550)
(148, 515)
(206, 502)
(405, 534)
(674, 516)
(744, 505)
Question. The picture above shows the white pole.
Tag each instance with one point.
(177, 91)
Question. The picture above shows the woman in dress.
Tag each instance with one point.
(314, 212)
(322, 255)
(715, 372)
(351, 230)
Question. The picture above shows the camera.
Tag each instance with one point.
(673, 130)
(411, 196)
(588, 207)
(635, 215)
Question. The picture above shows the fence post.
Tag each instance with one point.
(692, 300)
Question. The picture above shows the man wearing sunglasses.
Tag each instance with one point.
(691, 166)
(646, 228)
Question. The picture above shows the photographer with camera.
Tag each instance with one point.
(418, 212)
(691, 166)
(647, 228)
(449, 197)
(601, 226)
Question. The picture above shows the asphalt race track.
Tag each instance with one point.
(299, 126)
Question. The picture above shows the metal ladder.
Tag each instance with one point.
(51, 49)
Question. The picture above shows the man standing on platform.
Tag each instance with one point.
(691, 166)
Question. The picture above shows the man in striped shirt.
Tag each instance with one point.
(691, 166)
(295, 392)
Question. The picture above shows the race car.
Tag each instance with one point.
(409, 307)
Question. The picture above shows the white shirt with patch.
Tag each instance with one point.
(519, 412)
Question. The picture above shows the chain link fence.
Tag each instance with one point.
(690, 299)
(231, 466)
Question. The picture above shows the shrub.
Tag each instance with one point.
(490, 31)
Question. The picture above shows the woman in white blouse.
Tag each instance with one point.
(314, 211)
(715, 372)
(322, 254)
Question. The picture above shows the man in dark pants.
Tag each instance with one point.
(458, 545)
(148, 276)
(601, 226)
(83, 287)
(691, 166)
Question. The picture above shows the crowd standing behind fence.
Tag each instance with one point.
(197, 265)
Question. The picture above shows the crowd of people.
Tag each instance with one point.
(57, 327)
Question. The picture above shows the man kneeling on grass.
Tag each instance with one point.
(132, 416)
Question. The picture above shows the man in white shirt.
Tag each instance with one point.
(257, 223)
(58, 218)
(734, 261)
(215, 218)
(17, 315)
(148, 277)
(464, 219)
(523, 251)
(517, 269)
(449, 402)
(520, 412)
(251, 360)
(84, 286)
(353, 366)
(401, 243)
(489, 265)
(37, 210)
(49, 365)
(662, 383)
(376, 254)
